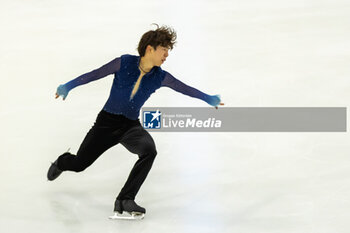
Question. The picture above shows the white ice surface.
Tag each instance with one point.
(254, 53)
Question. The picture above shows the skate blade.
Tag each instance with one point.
(128, 216)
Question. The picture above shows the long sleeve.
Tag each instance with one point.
(175, 84)
(107, 69)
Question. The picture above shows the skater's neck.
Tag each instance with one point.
(146, 64)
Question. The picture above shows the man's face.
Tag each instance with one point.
(160, 55)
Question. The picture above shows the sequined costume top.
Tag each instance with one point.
(126, 72)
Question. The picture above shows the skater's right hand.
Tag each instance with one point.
(62, 91)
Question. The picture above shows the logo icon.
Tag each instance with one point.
(152, 119)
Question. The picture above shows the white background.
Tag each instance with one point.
(253, 53)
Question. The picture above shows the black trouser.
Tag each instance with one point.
(109, 130)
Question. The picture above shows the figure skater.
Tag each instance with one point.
(135, 79)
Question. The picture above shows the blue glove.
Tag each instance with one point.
(63, 91)
(214, 100)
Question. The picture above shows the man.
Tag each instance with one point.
(135, 79)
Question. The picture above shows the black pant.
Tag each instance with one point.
(109, 130)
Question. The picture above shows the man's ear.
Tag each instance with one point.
(149, 48)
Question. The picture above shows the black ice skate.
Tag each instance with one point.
(130, 207)
(54, 171)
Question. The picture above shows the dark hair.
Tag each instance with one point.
(163, 36)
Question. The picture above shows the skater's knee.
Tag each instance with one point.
(149, 150)
(154, 153)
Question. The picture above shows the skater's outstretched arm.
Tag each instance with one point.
(107, 69)
(177, 85)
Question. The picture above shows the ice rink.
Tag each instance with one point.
(272, 53)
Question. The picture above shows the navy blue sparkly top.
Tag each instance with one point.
(126, 73)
